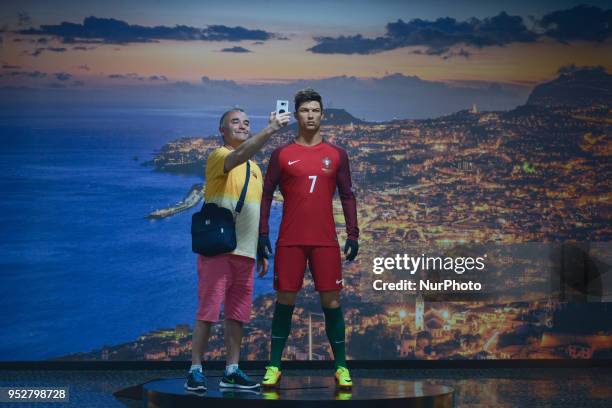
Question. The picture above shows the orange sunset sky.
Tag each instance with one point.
(293, 29)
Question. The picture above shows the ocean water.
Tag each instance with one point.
(80, 266)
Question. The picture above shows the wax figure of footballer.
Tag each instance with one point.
(308, 170)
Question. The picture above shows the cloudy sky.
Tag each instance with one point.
(105, 44)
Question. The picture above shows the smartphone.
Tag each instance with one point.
(282, 106)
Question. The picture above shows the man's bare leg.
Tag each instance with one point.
(233, 340)
(233, 376)
(330, 300)
(286, 298)
(199, 342)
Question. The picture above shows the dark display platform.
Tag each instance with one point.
(306, 391)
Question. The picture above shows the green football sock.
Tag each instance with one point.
(334, 327)
(281, 326)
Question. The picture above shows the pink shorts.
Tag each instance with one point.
(226, 279)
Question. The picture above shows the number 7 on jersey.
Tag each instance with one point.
(314, 180)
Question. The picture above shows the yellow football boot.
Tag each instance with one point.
(272, 377)
(343, 378)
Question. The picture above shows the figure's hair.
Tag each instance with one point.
(307, 95)
(222, 120)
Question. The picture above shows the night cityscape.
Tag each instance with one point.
(530, 186)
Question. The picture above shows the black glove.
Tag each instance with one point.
(350, 249)
(264, 248)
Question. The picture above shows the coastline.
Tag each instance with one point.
(193, 197)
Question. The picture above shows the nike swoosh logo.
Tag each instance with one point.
(291, 163)
(339, 281)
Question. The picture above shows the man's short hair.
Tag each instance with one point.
(307, 95)
(222, 120)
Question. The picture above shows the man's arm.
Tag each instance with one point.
(349, 206)
(345, 191)
(270, 182)
(253, 144)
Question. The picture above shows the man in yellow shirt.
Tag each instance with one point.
(228, 278)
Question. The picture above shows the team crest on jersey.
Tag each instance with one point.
(326, 163)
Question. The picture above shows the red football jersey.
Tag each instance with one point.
(308, 177)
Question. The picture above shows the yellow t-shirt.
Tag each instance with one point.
(224, 190)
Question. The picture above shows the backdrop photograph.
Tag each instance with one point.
(475, 130)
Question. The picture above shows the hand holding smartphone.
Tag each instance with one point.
(282, 106)
(281, 116)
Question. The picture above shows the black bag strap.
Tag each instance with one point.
(244, 189)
